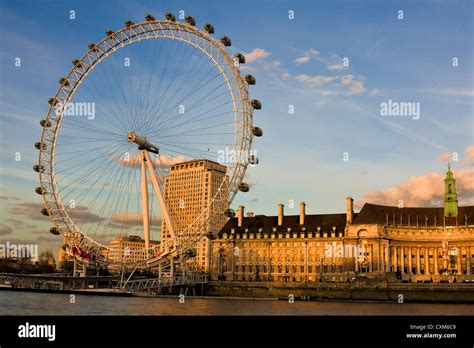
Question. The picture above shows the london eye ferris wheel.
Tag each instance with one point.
(145, 97)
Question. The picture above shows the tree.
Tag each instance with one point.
(46, 260)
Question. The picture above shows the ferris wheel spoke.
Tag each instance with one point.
(158, 105)
(157, 92)
(186, 80)
(116, 181)
(171, 121)
(191, 132)
(159, 98)
(96, 164)
(91, 138)
(84, 165)
(135, 90)
(104, 143)
(194, 143)
(188, 134)
(193, 92)
(130, 84)
(191, 148)
(81, 197)
(98, 169)
(79, 154)
(70, 123)
(100, 211)
(170, 151)
(204, 101)
(123, 96)
(84, 142)
(154, 63)
(132, 187)
(191, 152)
(197, 118)
(114, 111)
(185, 83)
(135, 70)
(114, 106)
(112, 208)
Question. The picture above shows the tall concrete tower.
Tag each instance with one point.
(189, 189)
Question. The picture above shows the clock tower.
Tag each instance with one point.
(450, 195)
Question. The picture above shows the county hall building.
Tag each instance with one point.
(399, 244)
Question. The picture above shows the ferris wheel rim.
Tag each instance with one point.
(53, 203)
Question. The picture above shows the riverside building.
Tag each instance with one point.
(401, 244)
(189, 189)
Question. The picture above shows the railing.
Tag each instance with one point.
(159, 283)
(434, 286)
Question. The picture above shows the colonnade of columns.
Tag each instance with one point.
(416, 259)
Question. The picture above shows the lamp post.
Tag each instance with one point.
(221, 263)
(321, 279)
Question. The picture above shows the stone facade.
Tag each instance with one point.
(189, 189)
(396, 243)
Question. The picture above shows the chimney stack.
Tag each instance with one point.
(250, 214)
(280, 214)
(349, 210)
(240, 215)
(302, 212)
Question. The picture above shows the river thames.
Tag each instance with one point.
(32, 303)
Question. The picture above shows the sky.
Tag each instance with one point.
(323, 70)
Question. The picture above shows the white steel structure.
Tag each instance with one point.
(149, 112)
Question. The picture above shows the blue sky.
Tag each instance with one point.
(336, 110)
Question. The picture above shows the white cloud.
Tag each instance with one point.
(424, 190)
(285, 76)
(375, 92)
(256, 53)
(314, 81)
(347, 79)
(302, 60)
(302, 77)
(337, 66)
(351, 86)
(466, 160)
(307, 56)
(355, 87)
(445, 157)
(271, 65)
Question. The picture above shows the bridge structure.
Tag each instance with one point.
(56, 281)
(182, 284)
(191, 283)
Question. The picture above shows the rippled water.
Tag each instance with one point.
(31, 303)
